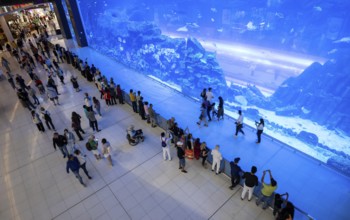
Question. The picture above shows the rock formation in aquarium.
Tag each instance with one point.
(141, 46)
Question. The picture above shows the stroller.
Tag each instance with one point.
(134, 136)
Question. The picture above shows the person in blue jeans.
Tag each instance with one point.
(266, 193)
(60, 141)
(181, 156)
(74, 165)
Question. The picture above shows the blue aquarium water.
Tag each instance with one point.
(283, 60)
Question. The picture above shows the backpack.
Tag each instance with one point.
(88, 146)
(163, 144)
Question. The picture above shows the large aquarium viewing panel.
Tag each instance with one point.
(286, 61)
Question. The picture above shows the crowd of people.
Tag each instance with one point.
(186, 145)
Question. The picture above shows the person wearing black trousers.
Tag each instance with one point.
(204, 154)
(235, 172)
(37, 121)
(239, 123)
(46, 116)
(76, 125)
(260, 128)
(141, 109)
(82, 161)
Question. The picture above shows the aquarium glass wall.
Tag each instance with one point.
(286, 61)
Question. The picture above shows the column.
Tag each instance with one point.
(62, 19)
(76, 22)
(6, 29)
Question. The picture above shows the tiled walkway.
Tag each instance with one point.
(34, 183)
(316, 189)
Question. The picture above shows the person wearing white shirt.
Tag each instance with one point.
(107, 150)
(239, 123)
(217, 157)
(209, 95)
(165, 142)
(70, 140)
(260, 128)
(82, 162)
(88, 101)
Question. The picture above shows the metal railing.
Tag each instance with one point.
(225, 164)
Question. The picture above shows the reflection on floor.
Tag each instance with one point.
(35, 185)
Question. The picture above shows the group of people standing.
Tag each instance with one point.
(208, 109)
(173, 135)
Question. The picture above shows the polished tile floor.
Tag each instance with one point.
(140, 185)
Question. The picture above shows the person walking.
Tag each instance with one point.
(266, 193)
(73, 165)
(239, 123)
(32, 93)
(52, 94)
(76, 125)
(181, 156)
(251, 180)
(235, 173)
(60, 141)
(217, 157)
(51, 82)
(97, 105)
(165, 142)
(209, 97)
(88, 101)
(203, 116)
(82, 162)
(20, 81)
(220, 109)
(75, 83)
(23, 96)
(60, 75)
(203, 94)
(49, 64)
(46, 116)
(70, 140)
(5, 64)
(260, 128)
(9, 77)
(107, 150)
(36, 120)
(92, 119)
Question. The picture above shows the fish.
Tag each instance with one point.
(343, 40)
(332, 51)
(213, 9)
(317, 8)
(195, 25)
(250, 26)
(220, 30)
(182, 29)
(280, 15)
(212, 19)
